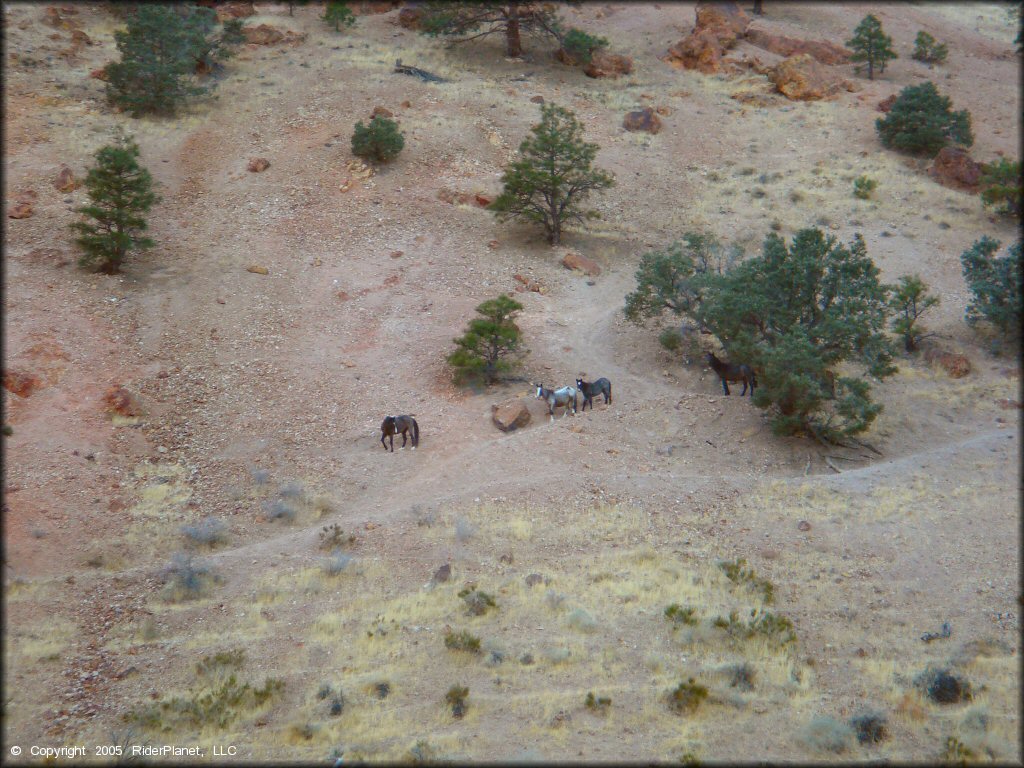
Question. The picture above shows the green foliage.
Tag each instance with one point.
(738, 573)
(477, 601)
(995, 285)
(671, 339)
(957, 753)
(580, 46)
(687, 697)
(922, 122)
(121, 192)
(929, 51)
(462, 641)
(910, 300)
(1001, 185)
(380, 140)
(778, 630)
(338, 14)
(677, 614)
(863, 187)
(483, 353)
(673, 279)
(796, 312)
(460, 22)
(870, 44)
(333, 537)
(553, 175)
(598, 704)
(213, 663)
(456, 698)
(162, 48)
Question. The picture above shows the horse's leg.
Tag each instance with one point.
(403, 438)
(382, 436)
(744, 387)
(392, 437)
(608, 394)
(725, 385)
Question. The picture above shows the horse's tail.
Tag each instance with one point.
(415, 432)
(609, 391)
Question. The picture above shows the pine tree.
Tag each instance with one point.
(871, 44)
(121, 192)
(929, 51)
(380, 140)
(553, 175)
(338, 13)
(462, 21)
(910, 300)
(923, 122)
(485, 350)
(161, 49)
(995, 285)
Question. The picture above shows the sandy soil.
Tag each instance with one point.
(262, 389)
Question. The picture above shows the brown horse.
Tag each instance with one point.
(392, 425)
(731, 372)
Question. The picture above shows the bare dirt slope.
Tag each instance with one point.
(260, 396)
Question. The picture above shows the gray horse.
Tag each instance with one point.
(558, 398)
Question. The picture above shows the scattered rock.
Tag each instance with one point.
(382, 112)
(802, 78)
(258, 165)
(1008, 404)
(443, 574)
(21, 383)
(725, 19)
(526, 659)
(534, 579)
(99, 74)
(267, 35)
(20, 210)
(956, 365)
(257, 270)
(526, 284)
(406, 104)
(665, 450)
(645, 120)
(803, 525)
(953, 167)
(824, 52)
(507, 558)
(121, 401)
(537, 99)
(886, 104)
(492, 244)
(608, 65)
(560, 719)
(701, 51)
(510, 415)
(410, 18)
(52, 18)
(234, 10)
(66, 181)
(582, 263)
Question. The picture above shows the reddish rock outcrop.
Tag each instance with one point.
(953, 167)
(410, 18)
(510, 415)
(236, 10)
(824, 52)
(726, 20)
(264, 34)
(701, 51)
(608, 65)
(258, 164)
(367, 7)
(120, 401)
(886, 104)
(718, 27)
(644, 120)
(21, 383)
(20, 210)
(803, 78)
(582, 263)
(382, 112)
(66, 181)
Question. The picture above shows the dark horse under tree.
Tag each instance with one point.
(731, 372)
(590, 388)
(392, 425)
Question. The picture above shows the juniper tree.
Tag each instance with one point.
(121, 193)
(162, 47)
(870, 44)
(553, 175)
(381, 140)
(922, 121)
(995, 285)
(1001, 186)
(338, 13)
(928, 50)
(487, 348)
(909, 300)
(461, 22)
(581, 46)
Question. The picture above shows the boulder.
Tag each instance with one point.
(886, 104)
(20, 210)
(120, 401)
(802, 78)
(643, 120)
(824, 52)
(726, 20)
(382, 112)
(701, 51)
(236, 10)
(582, 263)
(66, 181)
(510, 415)
(956, 365)
(256, 269)
(264, 34)
(258, 164)
(953, 167)
(608, 65)
(410, 18)
(21, 383)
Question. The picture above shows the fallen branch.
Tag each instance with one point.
(866, 445)
(417, 72)
(832, 466)
(848, 458)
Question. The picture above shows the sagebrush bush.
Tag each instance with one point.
(208, 532)
(186, 578)
(279, 509)
(671, 339)
(333, 537)
(870, 727)
(598, 704)
(477, 601)
(336, 563)
(827, 735)
(677, 614)
(380, 140)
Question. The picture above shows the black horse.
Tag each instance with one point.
(392, 425)
(733, 372)
(588, 389)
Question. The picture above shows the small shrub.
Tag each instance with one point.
(291, 490)
(333, 537)
(687, 697)
(863, 187)
(827, 735)
(995, 285)
(338, 14)
(582, 620)
(943, 686)
(8, 430)
(477, 601)
(796, 196)
(738, 573)
(464, 529)
(186, 579)
(462, 641)
(742, 676)
(456, 698)
(671, 339)
(382, 689)
(928, 50)
(1001, 186)
(677, 614)
(279, 509)
(208, 532)
(777, 629)
(336, 563)
(337, 705)
(380, 140)
(581, 46)
(259, 476)
(599, 704)
(217, 707)
(219, 661)
(324, 691)
(957, 752)
(870, 728)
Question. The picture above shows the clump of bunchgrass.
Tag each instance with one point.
(333, 537)
(870, 727)
(336, 563)
(826, 734)
(598, 704)
(279, 509)
(687, 696)
(187, 578)
(677, 614)
(456, 698)
(213, 663)
(208, 532)
(462, 641)
(477, 601)
(738, 573)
